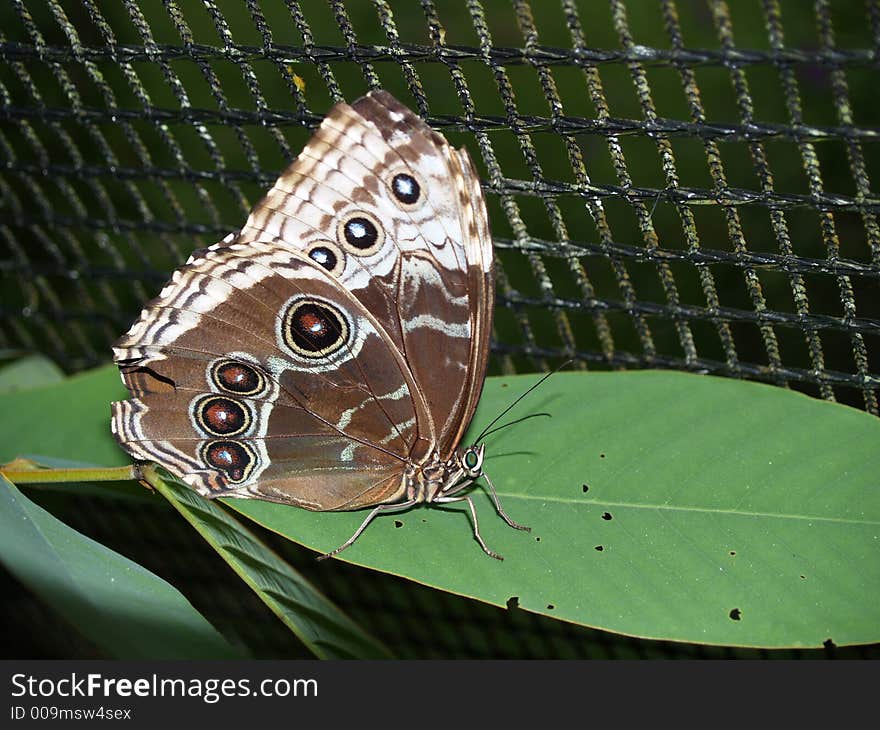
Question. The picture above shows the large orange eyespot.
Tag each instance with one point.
(313, 328)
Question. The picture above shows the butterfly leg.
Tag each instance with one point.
(500, 509)
(466, 483)
(470, 503)
(357, 533)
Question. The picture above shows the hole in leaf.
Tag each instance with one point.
(829, 644)
(600, 548)
(601, 456)
(513, 602)
(736, 614)
(550, 606)
(733, 552)
(585, 487)
(606, 516)
(398, 523)
(537, 539)
(803, 577)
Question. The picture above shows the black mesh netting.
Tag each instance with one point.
(670, 184)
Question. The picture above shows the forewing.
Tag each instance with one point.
(428, 279)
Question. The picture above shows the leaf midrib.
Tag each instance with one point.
(689, 508)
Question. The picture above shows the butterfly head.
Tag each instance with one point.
(472, 461)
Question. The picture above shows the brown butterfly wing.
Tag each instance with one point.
(326, 432)
(431, 282)
(382, 224)
(448, 353)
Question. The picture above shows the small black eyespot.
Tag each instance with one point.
(323, 256)
(360, 232)
(406, 188)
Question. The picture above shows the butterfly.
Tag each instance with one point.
(331, 353)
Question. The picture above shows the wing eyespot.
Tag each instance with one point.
(360, 233)
(328, 256)
(406, 190)
(313, 328)
(235, 459)
(237, 377)
(218, 415)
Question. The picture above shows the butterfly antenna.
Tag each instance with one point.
(518, 399)
(513, 423)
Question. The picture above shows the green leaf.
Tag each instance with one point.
(95, 588)
(31, 371)
(689, 468)
(716, 511)
(66, 420)
(320, 625)
(67, 424)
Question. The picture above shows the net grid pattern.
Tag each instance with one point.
(132, 133)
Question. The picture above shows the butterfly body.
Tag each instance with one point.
(329, 355)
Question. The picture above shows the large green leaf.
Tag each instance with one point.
(727, 512)
(662, 505)
(95, 588)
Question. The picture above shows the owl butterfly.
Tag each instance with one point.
(330, 354)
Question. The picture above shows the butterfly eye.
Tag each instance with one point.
(360, 233)
(472, 461)
(235, 459)
(406, 189)
(313, 329)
